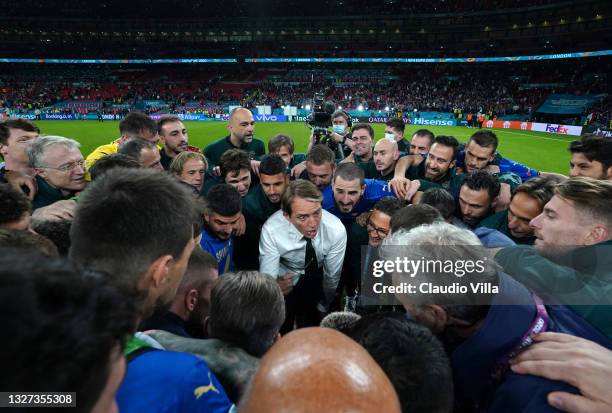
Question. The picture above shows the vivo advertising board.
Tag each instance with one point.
(258, 118)
(270, 118)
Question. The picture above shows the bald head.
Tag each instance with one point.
(385, 155)
(241, 126)
(239, 112)
(388, 144)
(319, 369)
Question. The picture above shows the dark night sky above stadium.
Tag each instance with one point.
(297, 28)
(239, 8)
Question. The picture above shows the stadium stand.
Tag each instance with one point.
(496, 88)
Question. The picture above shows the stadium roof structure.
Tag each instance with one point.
(230, 9)
(574, 55)
(301, 29)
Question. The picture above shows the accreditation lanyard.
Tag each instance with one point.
(538, 325)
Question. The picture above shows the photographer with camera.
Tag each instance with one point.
(341, 126)
(330, 127)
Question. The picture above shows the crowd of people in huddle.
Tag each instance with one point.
(151, 275)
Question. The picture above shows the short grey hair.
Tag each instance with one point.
(343, 321)
(247, 309)
(38, 148)
(438, 233)
(443, 242)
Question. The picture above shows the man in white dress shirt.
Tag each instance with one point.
(303, 246)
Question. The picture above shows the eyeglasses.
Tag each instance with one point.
(380, 232)
(69, 167)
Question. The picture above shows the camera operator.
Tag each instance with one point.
(339, 139)
(341, 126)
(330, 127)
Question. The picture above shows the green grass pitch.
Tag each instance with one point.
(542, 151)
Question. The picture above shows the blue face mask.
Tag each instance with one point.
(339, 129)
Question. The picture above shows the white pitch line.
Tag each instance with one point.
(534, 136)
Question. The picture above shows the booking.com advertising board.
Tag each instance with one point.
(45, 116)
(533, 126)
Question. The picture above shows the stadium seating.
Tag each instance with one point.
(502, 88)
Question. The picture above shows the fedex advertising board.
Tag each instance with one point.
(557, 129)
(532, 126)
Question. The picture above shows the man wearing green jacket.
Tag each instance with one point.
(257, 207)
(241, 127)
(571, 263)
(382, 166)
(58, 166)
